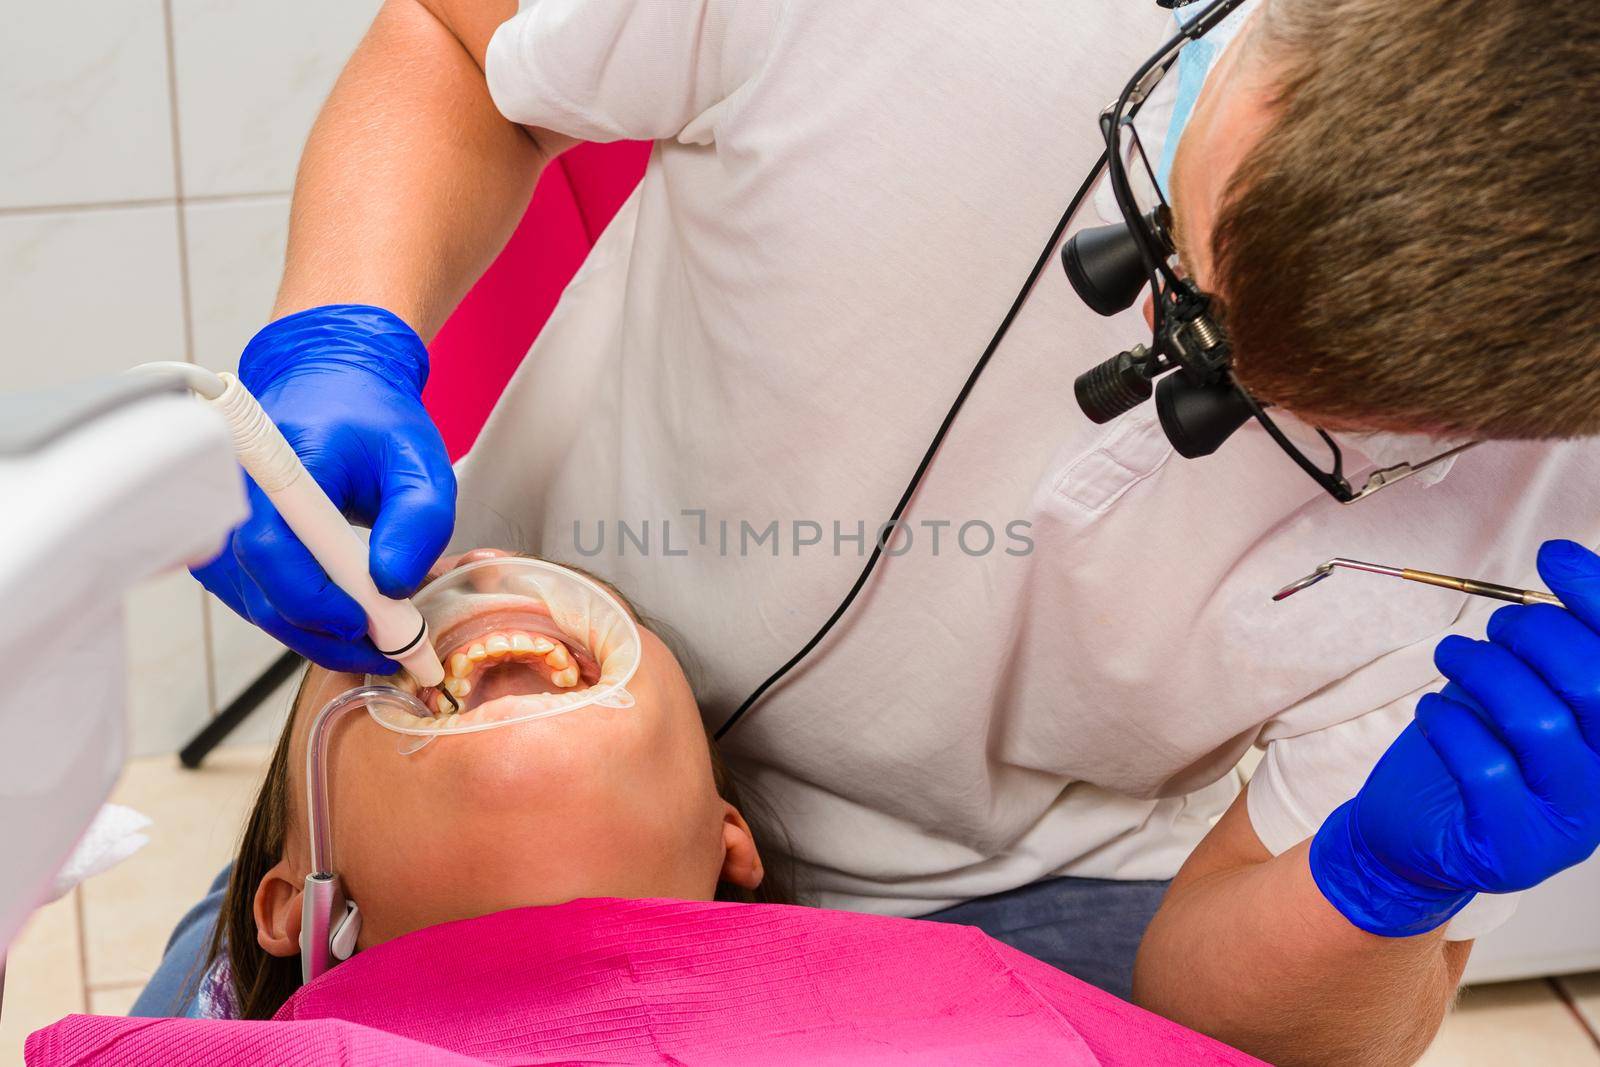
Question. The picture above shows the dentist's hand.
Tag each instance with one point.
(1495, 786)
(344, 384)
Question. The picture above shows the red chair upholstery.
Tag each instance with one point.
(478, 349)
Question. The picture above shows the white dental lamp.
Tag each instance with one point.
(101, 485)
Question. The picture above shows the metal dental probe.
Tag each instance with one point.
(1491, 590)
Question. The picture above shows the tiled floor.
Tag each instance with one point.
(93, 950)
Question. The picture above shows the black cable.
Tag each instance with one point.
(927, 457)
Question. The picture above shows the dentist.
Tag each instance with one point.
(1038, 735)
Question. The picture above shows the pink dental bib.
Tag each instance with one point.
(666, 981)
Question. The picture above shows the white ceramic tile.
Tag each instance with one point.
(113, 1000)
(88, 293)
(168, 698)
(239, 653)
(1584, 989)
(196, 817)
(44, 975)
(86, 116)
(251, 78)
(235, 262)
(1510, 1025)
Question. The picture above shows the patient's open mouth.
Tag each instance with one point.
(508, 652)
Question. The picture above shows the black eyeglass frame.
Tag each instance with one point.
(1186, 337)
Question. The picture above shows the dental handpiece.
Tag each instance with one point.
(396, 627)
(1472, 586)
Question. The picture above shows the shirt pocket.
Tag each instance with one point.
(1088, 484)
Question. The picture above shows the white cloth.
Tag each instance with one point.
(843, 201)
(116, 833)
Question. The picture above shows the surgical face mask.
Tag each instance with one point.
(520, 639)
(1195, 64)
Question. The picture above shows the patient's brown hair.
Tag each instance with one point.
(1414, 244)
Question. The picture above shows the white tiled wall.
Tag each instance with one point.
(250, 79)
(147, 152)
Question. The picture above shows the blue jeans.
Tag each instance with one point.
(1088, 927)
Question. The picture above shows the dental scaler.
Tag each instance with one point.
(396, 627)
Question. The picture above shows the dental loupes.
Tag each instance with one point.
(1491, 590)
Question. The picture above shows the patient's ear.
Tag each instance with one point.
(741, 863)
(277, 911)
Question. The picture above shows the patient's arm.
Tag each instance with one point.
(411, 180)
(1246, 949)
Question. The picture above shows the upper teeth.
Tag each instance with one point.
(498, 646)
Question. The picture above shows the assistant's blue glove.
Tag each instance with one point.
(1495, 786)
(344, 384)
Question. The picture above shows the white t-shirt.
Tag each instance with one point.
(842, 203)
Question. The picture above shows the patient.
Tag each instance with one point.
(602, 802)
(583, 888)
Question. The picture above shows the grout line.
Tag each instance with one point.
(199, 199)
(1573, 1009)
(210, 651)
(110, 987)
(186, 304)
(83, 944)
(236, 198)
(101, 205)
(186, 307)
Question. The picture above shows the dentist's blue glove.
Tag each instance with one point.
(1495, 786)
(344, 384)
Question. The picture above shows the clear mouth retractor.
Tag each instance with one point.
(533, 595)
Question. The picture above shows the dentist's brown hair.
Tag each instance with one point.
(1414, 244)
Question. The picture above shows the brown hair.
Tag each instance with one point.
(261, 982)
(1414, 243)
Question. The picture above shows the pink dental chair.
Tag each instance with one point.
(479, 348)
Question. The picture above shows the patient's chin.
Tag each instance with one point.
(558, 763)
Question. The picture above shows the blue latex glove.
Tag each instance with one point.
(1495, 786)
(344, 384)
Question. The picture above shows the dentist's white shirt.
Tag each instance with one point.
(843, 201)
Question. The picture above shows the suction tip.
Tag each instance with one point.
(1303, 583)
